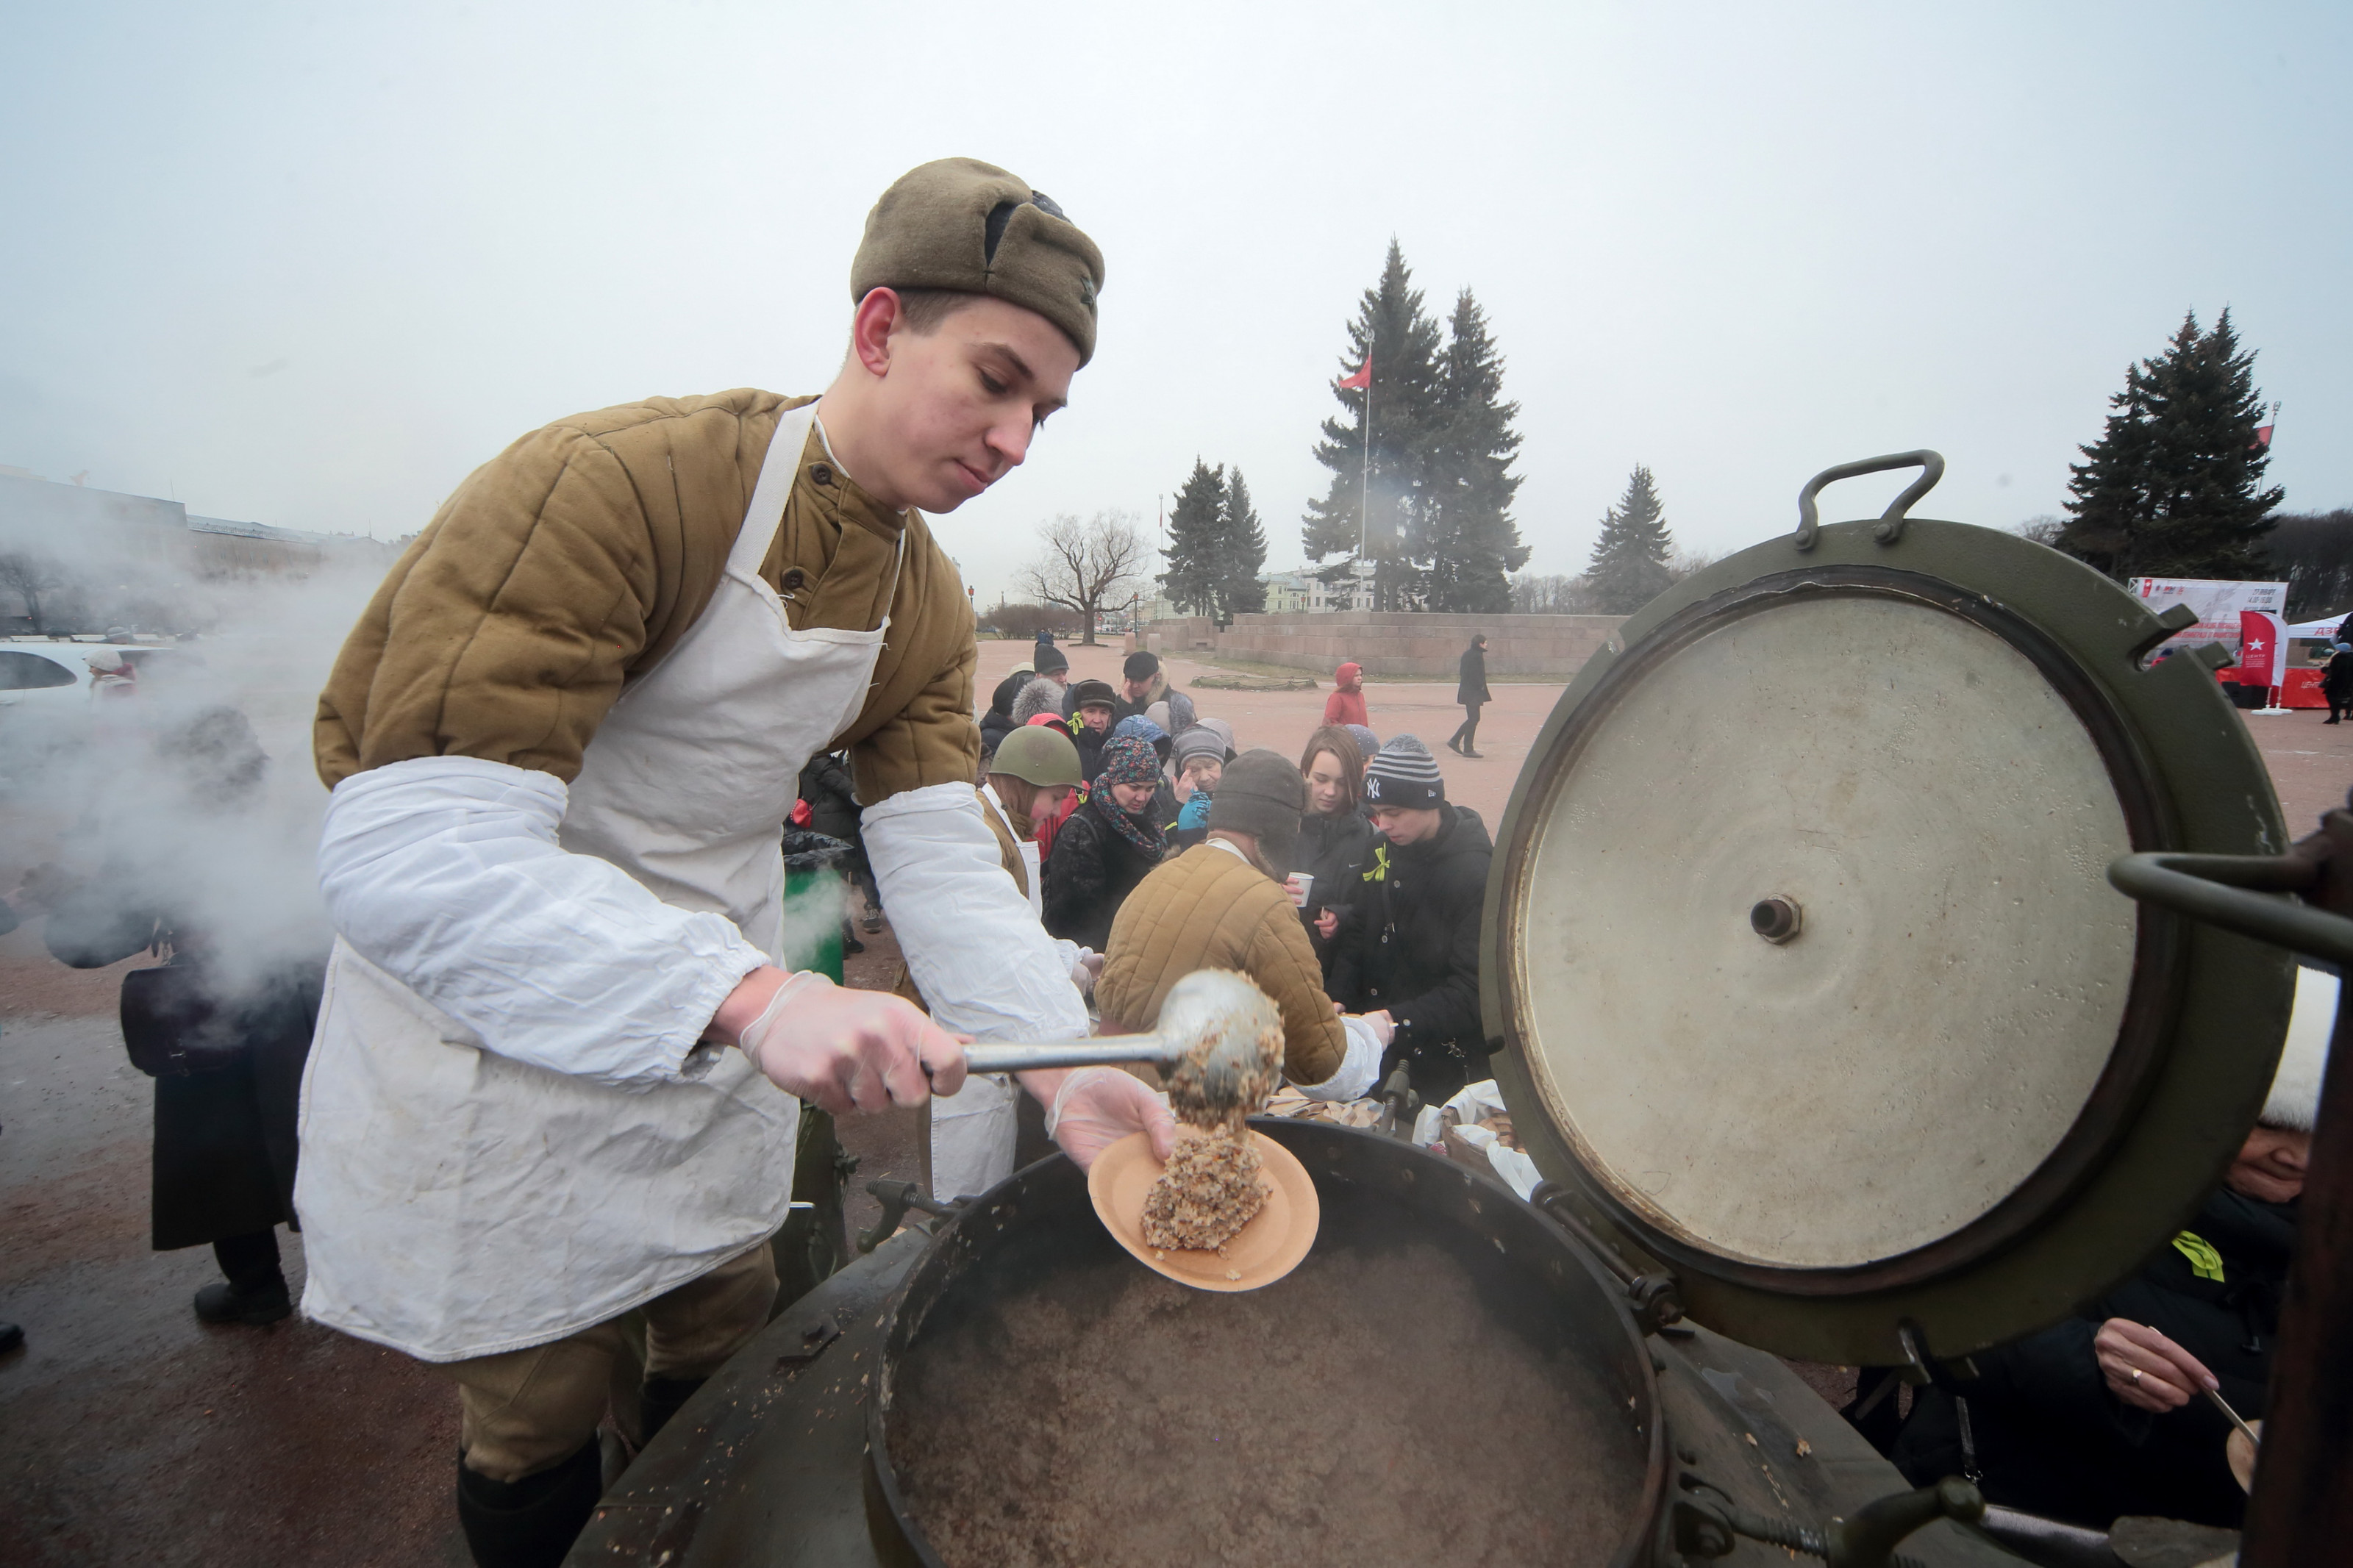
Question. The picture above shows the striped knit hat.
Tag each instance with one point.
(1403, 772)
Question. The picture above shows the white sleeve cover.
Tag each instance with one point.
(985, 965)
(445, 872)
(1357, 1069)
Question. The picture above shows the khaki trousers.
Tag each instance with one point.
(526, 1410)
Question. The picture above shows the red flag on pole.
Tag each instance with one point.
(1362, 379)
(2262, 435)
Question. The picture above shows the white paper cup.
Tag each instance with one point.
(1300, 883)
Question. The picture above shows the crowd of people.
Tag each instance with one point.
(1381, 876)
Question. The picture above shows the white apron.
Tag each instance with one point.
(457, 1202)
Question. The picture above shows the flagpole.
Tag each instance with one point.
(1365, 506)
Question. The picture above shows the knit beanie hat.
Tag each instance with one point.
(1262, 795)
(1040, 696)
(1403, 772)
(961, 224)
(1200, 740)
(1220, 729)
(2294, 1100)
(1367, 741)
(1050, 658)
(1142, 665)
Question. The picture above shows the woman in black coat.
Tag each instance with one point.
(1107, 847)
(1471, 692)
(1335, 839)
(224, 1032)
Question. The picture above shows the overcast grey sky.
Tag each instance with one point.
(310, 264)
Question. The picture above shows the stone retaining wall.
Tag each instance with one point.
(1393, 646)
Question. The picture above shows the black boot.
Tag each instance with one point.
(660, 1400)
(532, 1522)
(255, 1292)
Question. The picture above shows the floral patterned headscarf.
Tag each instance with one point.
(1128, 761)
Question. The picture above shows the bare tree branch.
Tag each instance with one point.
(1087, 565)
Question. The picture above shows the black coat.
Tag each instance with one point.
(1089, 743)
(1471, 685)
(1335, 851)
(1089, 875)
(225, 1141)
(998, 722)
(2050, 1437)
(2336, 677)
(1409, 943)
(832, 797)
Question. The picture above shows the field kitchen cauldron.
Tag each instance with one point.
(1809, 996)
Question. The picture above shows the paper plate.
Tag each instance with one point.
(1260, 1253)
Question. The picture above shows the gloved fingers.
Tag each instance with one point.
(941, 1055)
(1108, 1106)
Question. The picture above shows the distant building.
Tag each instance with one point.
(1304, 591)
(100, 555)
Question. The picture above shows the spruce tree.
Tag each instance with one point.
(2171, 488)
(1241, 553)
(1397, 334)
(1472, 543)
(1196, 526)
(1629, 568)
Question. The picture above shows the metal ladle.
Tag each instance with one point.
(1212, 1022)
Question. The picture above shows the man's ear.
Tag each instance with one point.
(878, 317)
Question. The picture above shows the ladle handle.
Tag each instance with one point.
(1103, 1050)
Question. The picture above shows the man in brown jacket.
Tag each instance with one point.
(1221, 905)
(562, 742)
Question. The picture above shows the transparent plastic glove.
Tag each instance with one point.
(844, 1050)
(1094, 1107)
(1383, 1026)
(1086, 971)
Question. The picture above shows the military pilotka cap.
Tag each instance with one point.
(968, 226)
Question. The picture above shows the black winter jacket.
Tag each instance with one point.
(1089, 875)
(1471, 685)
(998, 722)
(2053, 1440)
(1409, 943)
(1336, 851)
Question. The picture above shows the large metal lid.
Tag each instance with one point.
(1810, 983)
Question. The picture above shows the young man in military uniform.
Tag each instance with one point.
(555, 1075)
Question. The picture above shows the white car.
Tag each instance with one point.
(44, 673)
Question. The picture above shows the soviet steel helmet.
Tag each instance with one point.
(1038, 754)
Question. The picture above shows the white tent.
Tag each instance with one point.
(2326, 626)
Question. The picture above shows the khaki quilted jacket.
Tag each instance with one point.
(584, 551)
(1211, 909)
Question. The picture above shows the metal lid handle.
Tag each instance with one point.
(1891, 521)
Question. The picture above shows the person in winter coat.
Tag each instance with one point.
(1347, 704)
(557, 1078)
(1336, 841)
(1106, 847)
(1221, 905)
(1142, 683)
(2337, 682)
(1471, 692)
(1199, 759)
(1000, 721)
(1407, 947)
(1089, 705)
(2106, 1413)
(224, 1031)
